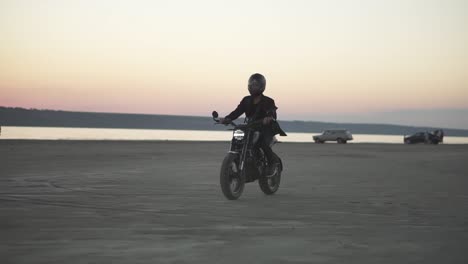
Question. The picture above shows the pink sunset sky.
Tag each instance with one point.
(323, 60)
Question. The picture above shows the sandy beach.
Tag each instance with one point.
(160, 202)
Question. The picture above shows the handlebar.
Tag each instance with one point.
(248, 125)
(218, 122)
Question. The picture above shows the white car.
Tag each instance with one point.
(339, 135)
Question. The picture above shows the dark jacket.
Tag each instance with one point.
(265, 108)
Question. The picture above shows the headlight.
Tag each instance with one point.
(239, 134)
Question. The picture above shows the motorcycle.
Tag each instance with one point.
(246, 162)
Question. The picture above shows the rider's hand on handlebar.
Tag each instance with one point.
(267, 120)
(225, 121)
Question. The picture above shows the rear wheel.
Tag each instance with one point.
(341, 141)
(231, 181)
(269, 185)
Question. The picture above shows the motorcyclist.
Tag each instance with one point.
(259, 107)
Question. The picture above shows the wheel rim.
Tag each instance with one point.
(273, 180)
(234, 181)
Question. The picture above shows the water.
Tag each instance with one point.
(65, 133)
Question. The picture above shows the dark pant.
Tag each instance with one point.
(265, 140)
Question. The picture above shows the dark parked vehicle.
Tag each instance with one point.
(434, 137)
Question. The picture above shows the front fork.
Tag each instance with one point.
(243, 155)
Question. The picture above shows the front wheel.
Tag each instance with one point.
(230, 178)
(269, 185)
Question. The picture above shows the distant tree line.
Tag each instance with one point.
(15, 116)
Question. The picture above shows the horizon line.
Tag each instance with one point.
(285, 120)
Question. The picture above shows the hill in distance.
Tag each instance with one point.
(15, 116)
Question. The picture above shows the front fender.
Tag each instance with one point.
(280, 161)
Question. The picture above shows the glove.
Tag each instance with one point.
(225, 121)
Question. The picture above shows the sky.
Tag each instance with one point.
(350, 60)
